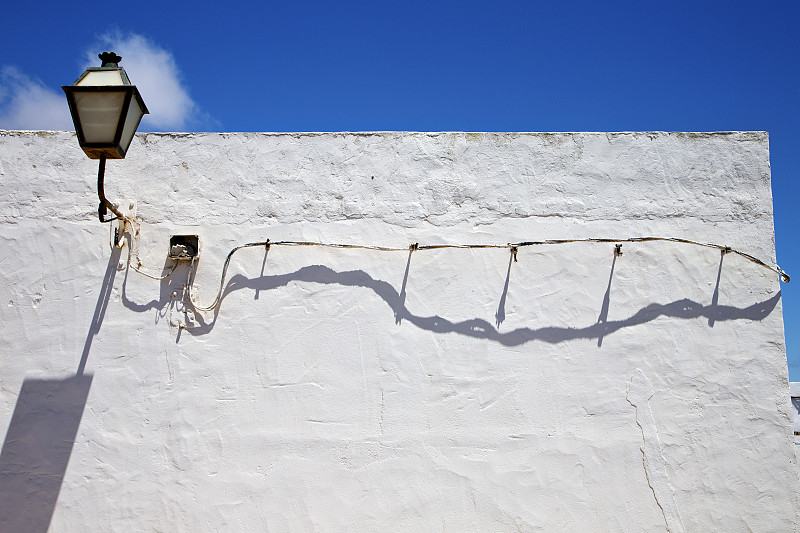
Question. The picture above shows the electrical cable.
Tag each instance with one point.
(222, 278)
(513, 247)
(136, 268)
(157, 278)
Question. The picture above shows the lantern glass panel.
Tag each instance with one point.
(131, 123)
(99, 114)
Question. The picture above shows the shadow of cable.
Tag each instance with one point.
(400, 306)
(480, 328)
(603, 317)
(715, 295)
(37, 449)
(500, 314)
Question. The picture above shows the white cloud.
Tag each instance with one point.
(153, 70)
(27, 104)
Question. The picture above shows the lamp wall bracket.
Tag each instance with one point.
(117, 227)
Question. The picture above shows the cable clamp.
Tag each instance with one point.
(784, 276)
(618, 250)
(414, 247)
(514, 253)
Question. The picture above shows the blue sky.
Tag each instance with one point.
(434, 66)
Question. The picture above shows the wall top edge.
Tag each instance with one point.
(747, 135)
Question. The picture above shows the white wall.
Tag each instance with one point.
(794, 391)
(352, 390)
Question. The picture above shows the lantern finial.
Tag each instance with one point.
(109, 59)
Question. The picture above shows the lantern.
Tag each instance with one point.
(105, 108)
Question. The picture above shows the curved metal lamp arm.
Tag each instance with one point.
(105, 205)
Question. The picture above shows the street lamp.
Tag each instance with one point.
(106, 110)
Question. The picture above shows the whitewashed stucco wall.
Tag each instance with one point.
(351, 390)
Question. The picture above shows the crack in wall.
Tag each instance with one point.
(639, 392)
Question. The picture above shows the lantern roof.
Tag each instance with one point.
(109, 73)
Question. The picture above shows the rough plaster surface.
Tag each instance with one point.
(349, 390)
(794, 390)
